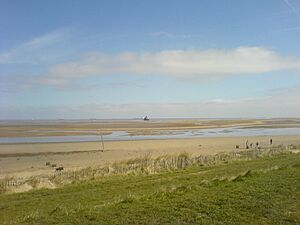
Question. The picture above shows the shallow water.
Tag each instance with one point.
(123, 135)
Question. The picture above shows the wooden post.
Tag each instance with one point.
(102, 140)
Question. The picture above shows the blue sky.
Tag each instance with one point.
(124, 59)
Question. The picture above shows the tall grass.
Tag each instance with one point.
(142, 165)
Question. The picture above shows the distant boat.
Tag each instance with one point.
(146, 118)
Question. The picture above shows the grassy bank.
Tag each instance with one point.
(265, 190)
(141, 165)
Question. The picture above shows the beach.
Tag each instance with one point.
(77, 144)
(25, 160)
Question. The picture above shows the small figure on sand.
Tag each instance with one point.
(247, 146)
(257, 145)
(271, 141)
(251, 144)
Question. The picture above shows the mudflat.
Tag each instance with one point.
(133, 127)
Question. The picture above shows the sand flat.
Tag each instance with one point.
(65, 128)
(29, 159)
(22, 160)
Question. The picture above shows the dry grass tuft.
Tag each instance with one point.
(144, 165)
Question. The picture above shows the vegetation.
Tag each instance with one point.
(265, 190)
(142, 165)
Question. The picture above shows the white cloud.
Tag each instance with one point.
(208, 64)
(260, 107)
(35, 50)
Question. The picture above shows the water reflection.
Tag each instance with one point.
(123, 135)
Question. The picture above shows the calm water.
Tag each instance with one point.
(123, 136)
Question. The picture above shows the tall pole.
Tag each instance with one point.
(102, 140)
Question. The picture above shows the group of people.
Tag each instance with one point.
(257, 146)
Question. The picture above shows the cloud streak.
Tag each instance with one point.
(212, 64)
(35, 50)
(292, 7)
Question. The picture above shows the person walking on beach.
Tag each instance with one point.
(271, 141)
(247, 146)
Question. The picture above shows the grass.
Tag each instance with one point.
(265, 190)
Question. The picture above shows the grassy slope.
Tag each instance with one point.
(269, 194)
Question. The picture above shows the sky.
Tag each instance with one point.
(76, 59)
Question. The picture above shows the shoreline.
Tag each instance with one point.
(190, 138)
(131, 138)
(25, 160)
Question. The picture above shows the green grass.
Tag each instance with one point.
(261, 191)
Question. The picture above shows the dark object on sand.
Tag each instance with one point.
(237, 146)
(53, 165)
(257, 145)
(146, 118)
(48, 163)
(59, 169)
(271, 141)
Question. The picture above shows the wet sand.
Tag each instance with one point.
(133, 127)
(24, 160)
